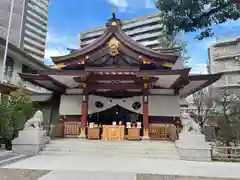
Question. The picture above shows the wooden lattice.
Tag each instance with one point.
(163, 131)
(71, 129)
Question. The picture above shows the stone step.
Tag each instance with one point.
(110, 155)
(77, 146)
(86, 141)
(101, 148)
(120, 149)
(113, 144)
(172, 152)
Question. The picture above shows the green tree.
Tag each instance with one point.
(205, 107)
(174, 41)
(228, 117)
(15, 110)
(194, 15)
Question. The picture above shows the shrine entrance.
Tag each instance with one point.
(115, 114)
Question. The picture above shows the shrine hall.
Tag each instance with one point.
(117, 89)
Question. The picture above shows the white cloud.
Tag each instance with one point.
(119, 3)
(129, 5)
(150, 4)
(199, 69)
(57, 45)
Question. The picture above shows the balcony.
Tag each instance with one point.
(225, 53)
(140, 22)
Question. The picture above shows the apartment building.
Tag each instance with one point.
(224, 57)
(145, 30)
(28, 27)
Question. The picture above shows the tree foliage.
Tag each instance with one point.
(204, 107)
(174, 41)
(15, 110)
(228, 117)
(194, 15)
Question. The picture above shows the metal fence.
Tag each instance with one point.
(230, 154)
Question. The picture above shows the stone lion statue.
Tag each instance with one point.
(194, 126)
(189, 125)
(35, 122)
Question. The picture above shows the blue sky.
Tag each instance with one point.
(68, 18)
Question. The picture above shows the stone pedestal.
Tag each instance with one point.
(145, 134)
(145, 138)
(82, 133)
(30, 141)
(192, 146)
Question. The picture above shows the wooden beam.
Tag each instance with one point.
(101, 77)
(117, 94)
(114, 68)
(119, 86)
(163, 72)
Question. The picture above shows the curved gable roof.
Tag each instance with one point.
(113, 29)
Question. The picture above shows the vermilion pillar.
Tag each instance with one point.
(84, 115)
(145, 117)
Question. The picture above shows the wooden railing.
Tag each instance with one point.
(71, 129)
(164, 132)
(231, 154)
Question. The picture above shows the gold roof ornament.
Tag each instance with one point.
(113, 10)
(84, 85)
(113, 45)
(166, 64)
(60, 66)
(113, 23)
(145, 85)
(146, 61)
(145, 76)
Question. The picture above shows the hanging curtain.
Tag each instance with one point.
(132, 104)
(158, 105)
(106, 104)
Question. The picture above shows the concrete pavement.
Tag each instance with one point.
(81, 164)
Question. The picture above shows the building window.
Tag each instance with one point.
(8, 71)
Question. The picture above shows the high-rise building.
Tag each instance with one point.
(224, 57)
(28, 27)
(145, 30)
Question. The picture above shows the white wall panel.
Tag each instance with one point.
(164, 106)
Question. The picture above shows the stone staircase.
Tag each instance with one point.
(100, 148)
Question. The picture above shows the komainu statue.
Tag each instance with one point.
(189, 124)
(35, 122)
(194, 126)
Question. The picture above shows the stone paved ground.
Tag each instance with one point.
(93, 175)
(115, 168)
(7, 156)
(167, 177)
(21, 174)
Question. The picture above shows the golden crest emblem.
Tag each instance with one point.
(113, 45)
